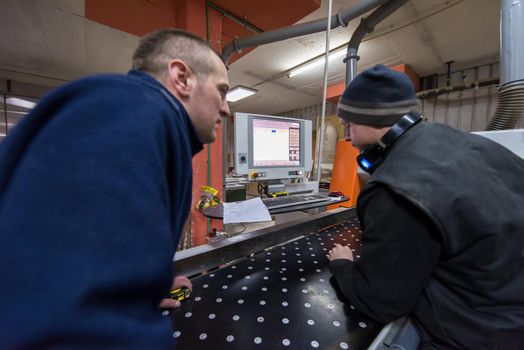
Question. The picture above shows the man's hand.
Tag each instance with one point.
(340, 252)
(178, 281)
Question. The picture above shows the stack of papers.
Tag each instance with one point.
(251, 210)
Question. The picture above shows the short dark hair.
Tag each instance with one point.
(156, 49)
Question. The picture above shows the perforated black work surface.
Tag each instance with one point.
(283, 298)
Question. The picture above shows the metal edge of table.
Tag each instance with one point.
(287, 209)
(208, 256)
(217, 211)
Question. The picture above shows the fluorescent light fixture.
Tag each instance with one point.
(15, 101)
(317, 62)
(239, 92)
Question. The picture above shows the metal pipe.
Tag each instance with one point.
(448, 75)
(511, 41)
(367, 25)
(510, 106)
(324, 93)
(445, 90)
(351, 65)
(234, 18)
(5, 115)
(340, 19)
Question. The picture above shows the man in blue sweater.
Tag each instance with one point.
(95, 187)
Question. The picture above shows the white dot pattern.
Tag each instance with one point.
(285, 299)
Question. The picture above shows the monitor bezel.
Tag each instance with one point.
(251, 160)
(243, 157)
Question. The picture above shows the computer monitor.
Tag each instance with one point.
(270, 147)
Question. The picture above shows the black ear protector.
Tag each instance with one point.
(371, 157)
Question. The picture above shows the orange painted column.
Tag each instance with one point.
(207, 165)
(190, 15)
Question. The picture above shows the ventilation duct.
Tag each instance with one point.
(510, 106)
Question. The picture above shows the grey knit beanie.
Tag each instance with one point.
(378, 96)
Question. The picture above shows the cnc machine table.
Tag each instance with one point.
(280, 298)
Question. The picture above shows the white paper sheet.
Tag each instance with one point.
(251, 210)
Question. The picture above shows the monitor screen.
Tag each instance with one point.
(271, 147)
(275, 142)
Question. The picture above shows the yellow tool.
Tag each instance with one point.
(208, 198)
(278, 194)
(180, 294)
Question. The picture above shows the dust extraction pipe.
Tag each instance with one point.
(367, 25)
(510, 106)
(341, 19)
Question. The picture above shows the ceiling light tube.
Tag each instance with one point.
(239, 92)
(15, 101)
(319, 61)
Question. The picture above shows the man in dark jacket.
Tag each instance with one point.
(95, 187)
(442, 223)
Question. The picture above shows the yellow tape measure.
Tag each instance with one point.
(278, 194)
(180, 294)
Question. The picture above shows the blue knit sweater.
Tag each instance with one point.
(95, 187)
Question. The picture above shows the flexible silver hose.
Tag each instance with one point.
(510, 107)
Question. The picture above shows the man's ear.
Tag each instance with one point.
(180, 77)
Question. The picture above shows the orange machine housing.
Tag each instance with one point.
(344, 176)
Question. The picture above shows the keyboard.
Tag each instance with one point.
(297, 199)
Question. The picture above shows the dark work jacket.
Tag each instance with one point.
(472, 191)
(95, 187)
